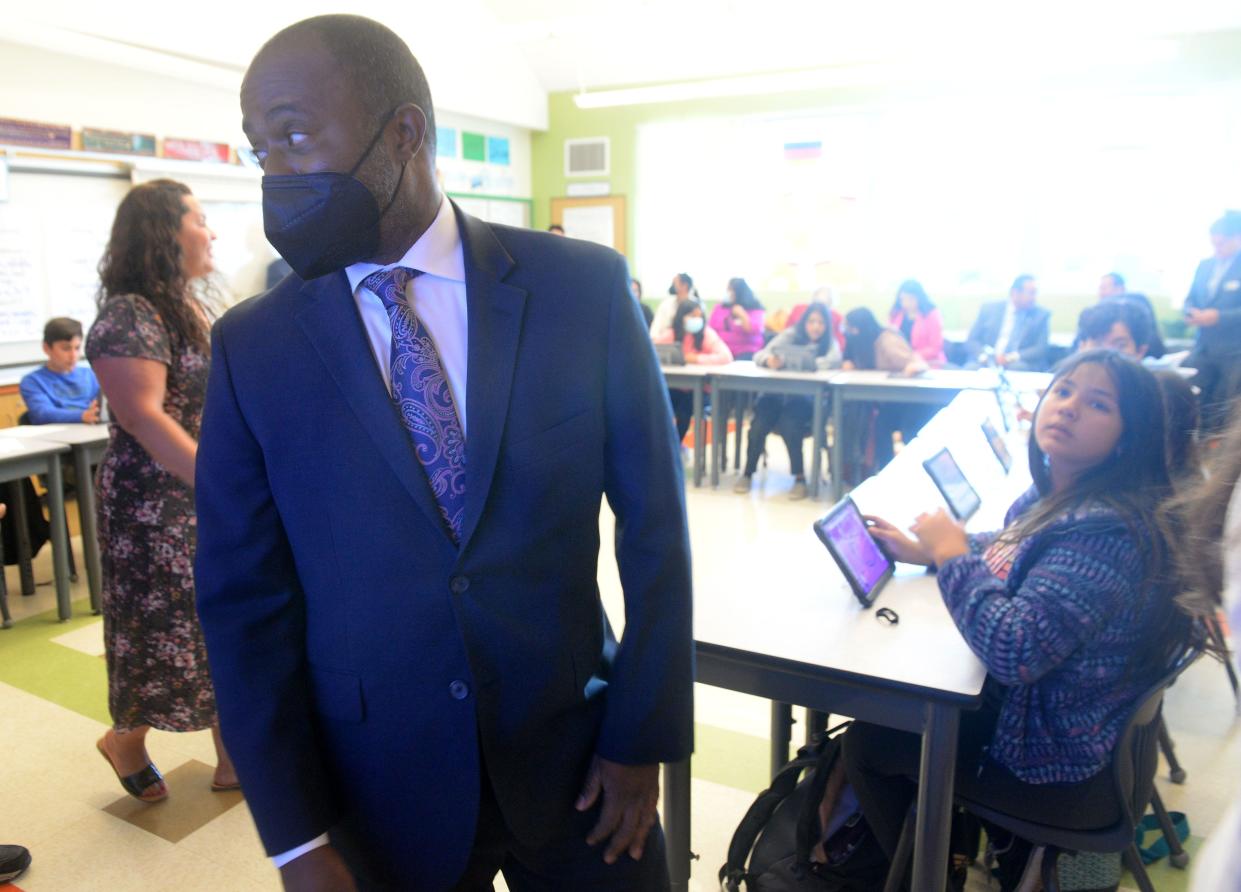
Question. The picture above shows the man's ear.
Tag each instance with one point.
(411, 128)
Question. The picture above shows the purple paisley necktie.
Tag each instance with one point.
(422, 395)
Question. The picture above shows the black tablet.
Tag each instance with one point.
(859, 556)
(997, 445)
(962, 500)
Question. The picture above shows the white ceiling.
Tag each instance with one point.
(498, 58)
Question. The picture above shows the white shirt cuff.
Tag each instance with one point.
(285, 857)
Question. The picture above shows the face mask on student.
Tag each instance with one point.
(693, 324)
(323, 222)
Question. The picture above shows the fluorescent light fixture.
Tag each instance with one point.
(910, 70)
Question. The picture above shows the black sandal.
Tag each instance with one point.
(142, 779)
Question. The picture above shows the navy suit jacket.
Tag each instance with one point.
(1032, 331)
(360, 659)
(1223, 338)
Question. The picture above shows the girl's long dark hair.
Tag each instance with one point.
(684, 308)
(801, 336)
(914, 287)
(1133, 482)
(744, 294)
(860, 347)
(143, 257)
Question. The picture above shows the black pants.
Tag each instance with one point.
(567, 864)
(1219, 383)
(790, 417)
(682, 410)
(882, 765)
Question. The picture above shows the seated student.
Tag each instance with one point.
(1111, 285)
(61, 392)
(1071, 607)
(635, 288)
(1120, 325)
(681, 290)
(782, 319)
(919, 322)
(700, 345)
(739, 320)
(1156, 349)
(869, 345)
(789, 415)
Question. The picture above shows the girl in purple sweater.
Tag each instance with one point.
(1070, 606)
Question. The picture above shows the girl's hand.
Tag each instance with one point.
(940, 536)
(914, 367)
(847, 366)
(898, 546)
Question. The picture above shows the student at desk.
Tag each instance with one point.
(871, 346)
(790, 415)
(701, 345)
(1071, 607)
(61, 391)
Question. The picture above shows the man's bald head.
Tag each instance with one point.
(378, 63)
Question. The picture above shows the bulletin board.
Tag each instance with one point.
(595, 219)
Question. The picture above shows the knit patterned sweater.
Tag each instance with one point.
(1060, 620)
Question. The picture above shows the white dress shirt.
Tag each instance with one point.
(438, 297)
(1006, 329)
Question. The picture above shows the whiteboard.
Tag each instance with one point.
(53, 231)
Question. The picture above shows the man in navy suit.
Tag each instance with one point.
(415, 675)
(1014, 332)
(1214, 307)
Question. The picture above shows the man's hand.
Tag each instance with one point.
(91, 415)
(319, 870)
(630, 796)
(775, 362)
(1202, 318)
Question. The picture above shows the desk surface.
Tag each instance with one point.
(796, 608)
(693, 370)
(71, 434)
(746, 369)
(27, 447)
(935, 379)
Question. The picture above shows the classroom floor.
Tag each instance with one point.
(63, 802)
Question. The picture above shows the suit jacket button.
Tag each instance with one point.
(459, 690)
(459, 584)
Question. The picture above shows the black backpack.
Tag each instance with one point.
(780, 830)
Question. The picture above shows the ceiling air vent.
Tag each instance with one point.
(586, 157)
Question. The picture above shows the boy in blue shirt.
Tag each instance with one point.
(60, 392)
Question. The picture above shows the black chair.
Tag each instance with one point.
(1134, 762)
(24, 419)
(6, 620)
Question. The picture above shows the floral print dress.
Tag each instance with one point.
(157, 661)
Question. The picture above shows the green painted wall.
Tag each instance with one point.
(1202, 59)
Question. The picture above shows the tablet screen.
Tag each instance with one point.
(864, 564)
(997, 445)
(956, 490)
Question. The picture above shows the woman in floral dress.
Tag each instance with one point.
(149, 348)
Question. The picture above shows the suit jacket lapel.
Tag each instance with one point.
(495, 313)
(330, 320)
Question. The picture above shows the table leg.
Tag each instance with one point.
(935, 780)
(21, 531)
(90, 532)
(719, 412)
(700, 432)
(677, 823)
(60, 535)
(781, 734)
(816, 722)
(817, 425)
(838, 451)
(6, 620)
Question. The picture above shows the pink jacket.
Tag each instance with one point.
(927, 336)
(737, 338)
(714, 350)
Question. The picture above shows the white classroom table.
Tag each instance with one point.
(745, 377)
(798, 636)
(87, 442)
(22, 457)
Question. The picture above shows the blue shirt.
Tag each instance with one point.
(55, 398)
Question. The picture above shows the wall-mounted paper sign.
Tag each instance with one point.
(35, 133)
(196, 150)
(117, 141)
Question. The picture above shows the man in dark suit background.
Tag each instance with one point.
(1014, 332)
(1214, 307)
(404, 451)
